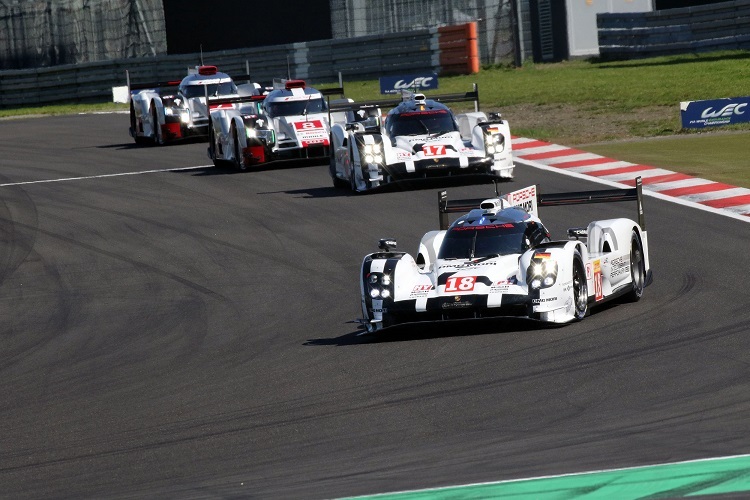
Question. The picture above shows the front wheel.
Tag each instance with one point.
(158, 137)
(637, 268)
(239, 161)
(580, 288)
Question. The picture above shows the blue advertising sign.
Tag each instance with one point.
(415, 83)
(701, 114)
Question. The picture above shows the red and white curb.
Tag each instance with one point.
(688, 190)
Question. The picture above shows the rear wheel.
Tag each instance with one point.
(580, 288)
(637, 268)
(239, 161)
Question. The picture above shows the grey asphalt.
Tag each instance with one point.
(188, 335)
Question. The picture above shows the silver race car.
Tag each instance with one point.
(289, 122)
(420, 137)
(168, 111)
(497, 259)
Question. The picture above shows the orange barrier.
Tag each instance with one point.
(459, 53)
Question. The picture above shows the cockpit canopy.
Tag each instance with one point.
(421, 122)
(212, 89)
(296, 107)
(492, 235)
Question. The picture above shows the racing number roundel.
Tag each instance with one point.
(433, 149)
(460, 284)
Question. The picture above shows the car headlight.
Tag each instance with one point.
(494, 143)
(542, 271)
(369, 158)
(250, 132)
(372, 149)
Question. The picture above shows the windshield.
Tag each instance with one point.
(214, 89)
(474, 242)
(437, 121)
(292, 108)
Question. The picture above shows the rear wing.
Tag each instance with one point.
(530, 199)
(168, 83)
(472, 95)
(216, 102)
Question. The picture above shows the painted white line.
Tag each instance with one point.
(543, 149)
(67, 179)
(663, 186)
(576, 157)
(600, 166)
(648, 172)
(716, 195)
(653, 194)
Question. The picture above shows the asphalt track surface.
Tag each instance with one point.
(187, 334)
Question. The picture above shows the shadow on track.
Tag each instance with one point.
(438, 329)
(398, 186)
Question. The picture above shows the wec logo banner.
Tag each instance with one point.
(416, 83)
(700, 114)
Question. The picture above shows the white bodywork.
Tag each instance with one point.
(176, 110)
(612, 253)
(290, 122)
(369, 152)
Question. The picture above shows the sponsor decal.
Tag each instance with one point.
(620, 265)
(710, 113)
(460, 283)
(415, 82)
(524, 198)
(457, 303)
(540, 301)
(506, 225)
(598, 280)
(420, 291)
(403, 156)
(503, 285)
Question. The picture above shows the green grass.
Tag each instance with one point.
(602, 87)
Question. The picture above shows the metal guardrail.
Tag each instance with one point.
(318, 61)
(719, 26)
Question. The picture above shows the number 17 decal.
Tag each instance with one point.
(460, 284)
(433, 149)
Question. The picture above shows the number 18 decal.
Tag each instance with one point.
(460, 284)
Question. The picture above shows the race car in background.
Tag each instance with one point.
(173, 110)
(498, 259)
(420, 137)
(289, 122)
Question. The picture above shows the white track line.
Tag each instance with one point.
(66, 179)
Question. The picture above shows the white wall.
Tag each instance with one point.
(582, 36)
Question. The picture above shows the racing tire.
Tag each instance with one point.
(580, 289)
(637, 268)
(212, 144)
(353, 181)
(238, 160)
(337, 183)
(158, 137)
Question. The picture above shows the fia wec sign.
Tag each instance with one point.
(415, 83)
(701, 114)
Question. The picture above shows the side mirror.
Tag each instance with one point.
(386, 244)
(495, 117)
